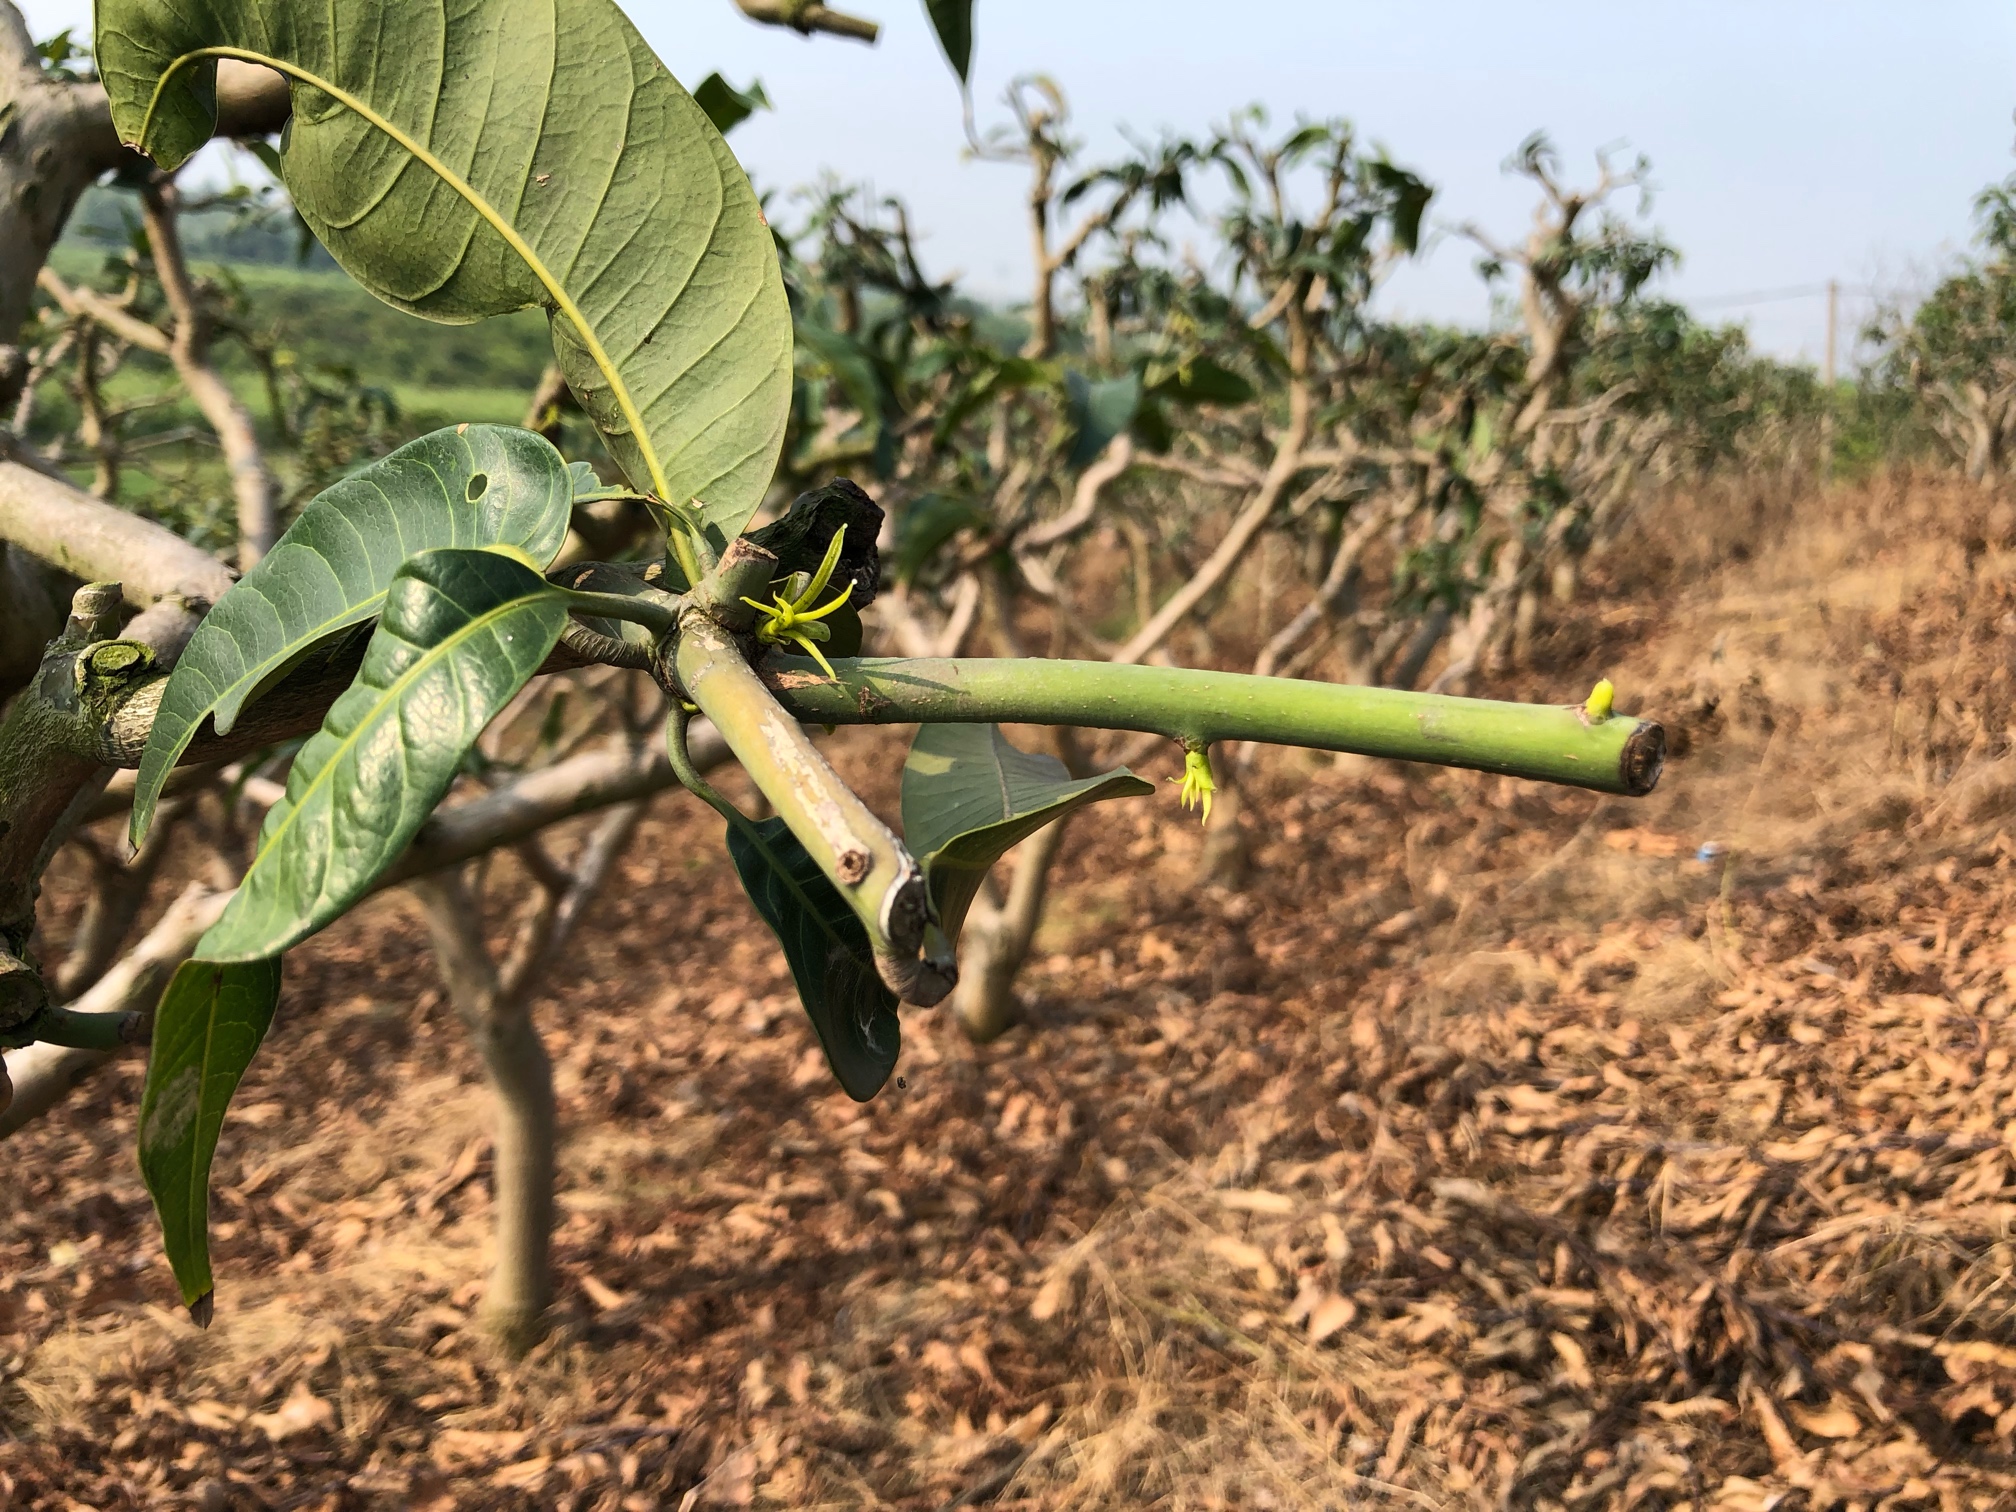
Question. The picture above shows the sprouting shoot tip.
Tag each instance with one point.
(1597, 709)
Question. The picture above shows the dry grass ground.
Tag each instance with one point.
(1490, 1147)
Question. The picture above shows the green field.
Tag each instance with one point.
(331, 336)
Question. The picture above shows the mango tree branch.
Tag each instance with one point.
(1547, 743)
(807, 17)
(252, 482)
(42, 1075)
(99, 542)
(59, 140)
(1287, 462)
(865, 861)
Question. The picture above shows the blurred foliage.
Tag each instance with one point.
(1950, 363)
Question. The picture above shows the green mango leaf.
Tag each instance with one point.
(827, 948)
(726, 106)
(852, 366)
(1098, 413)
(473, 485)
(968, 795)
(461, 633)
(469, 160)
(929, 522)
(1409, 200)
(206, 1031)
(953, 21)
(1201, 380)
(1000, 377)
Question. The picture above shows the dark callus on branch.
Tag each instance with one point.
(800, 537)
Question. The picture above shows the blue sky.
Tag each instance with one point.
(1792, 141)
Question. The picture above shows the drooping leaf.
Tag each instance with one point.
(726, 106)
(968, 795)
(1410, 197)
(827, 948)
(468, 160)
(206, 1030)
(1099, 412)
(461, 633)
(953, 21)
(474, 485)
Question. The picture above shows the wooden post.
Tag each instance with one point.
(1833, 322)
(1827, 414)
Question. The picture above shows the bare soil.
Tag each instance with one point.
(1486, 1146)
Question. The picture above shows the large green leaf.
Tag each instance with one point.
(461, 633)
(1098, 412)
(827, 948)
(474, 485)
(968, 795)
(206, 1030)
(953, 21)
(471, 159)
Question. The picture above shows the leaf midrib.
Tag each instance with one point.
(482, 206)
(199, 1191)
(428, 657)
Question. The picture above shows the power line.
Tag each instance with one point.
(1772, 296)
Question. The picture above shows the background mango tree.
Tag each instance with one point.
(408, 606)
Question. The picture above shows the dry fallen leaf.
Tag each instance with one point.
(1249, 1257)
(1834, 1421)
(302, 1412)
(1257, 1202)
(1329, 1315)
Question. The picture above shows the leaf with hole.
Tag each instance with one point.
(461, 633)
(827, 948)
(968, 795)
(206, 1030)
(475, 485)
(469, 160)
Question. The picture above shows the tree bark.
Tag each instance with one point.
(99, 542)
(521, 1080)
(496, 1007)
(43, 1075)
(996, 941)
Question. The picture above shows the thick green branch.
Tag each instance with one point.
(1545, 742)
(856, 850)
